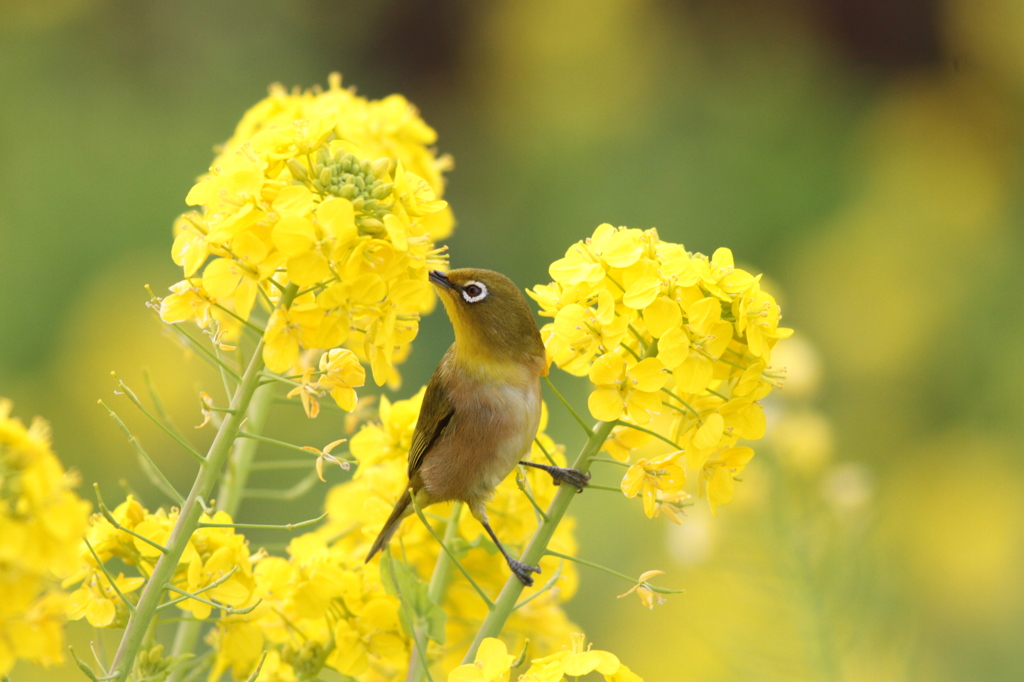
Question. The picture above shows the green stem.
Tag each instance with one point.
(277, 464)
(113, 584)
(230, 494)
(611, 571)
(216, 583)
(159, 404)
(648, 432)
(545, 451)
(506, 601)
(439, 581)
(153, 470)
(631, 351)
(273, 441)
(640, 340)
(188, 521)
(548, 586)
(287, 494)
(244, 452)
(159, 422)
(574, 413)
(113, 522)
(417, 633)
(268, 526)
(228, 391)
(686, 404)
(448, 552)
(213, 357)
(523, 484)
(223, 607)
(611, 461)
(241, 319)
(609, 488)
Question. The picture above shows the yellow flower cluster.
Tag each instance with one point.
(41, 524)
(333, 198)
(215, 564)
(319, 608)
(316, 608)
(324, 606)
(674, 342)
(493, 663)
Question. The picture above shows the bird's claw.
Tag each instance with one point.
(573, 477)
(522, 571)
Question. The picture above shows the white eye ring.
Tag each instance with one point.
(479, 296)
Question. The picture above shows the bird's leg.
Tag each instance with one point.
(521, 570)
(573, 477)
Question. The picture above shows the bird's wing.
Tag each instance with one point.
(435, 414)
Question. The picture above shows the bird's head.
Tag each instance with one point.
(493, 323)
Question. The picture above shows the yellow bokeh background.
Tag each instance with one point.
(867, 156)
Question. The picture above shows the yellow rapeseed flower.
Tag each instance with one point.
(42, 522)
(719, 474)
(323, 606)
(491, 664)
(575, 662)
(329, 193)
(647, 477)
(644, 591)
(623, 441)
(98, 602)
(663, 331)
(626, 386)
(341, 375)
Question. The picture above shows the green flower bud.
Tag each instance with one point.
(307, 661)
(297, 170)
(323, 156)
(370, 226)
(380, 167)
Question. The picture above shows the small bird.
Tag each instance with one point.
(482, 406)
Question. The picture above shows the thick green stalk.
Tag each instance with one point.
(438, 586)
(513, 588)
(229, 498)
(185, 639)
(188, 519)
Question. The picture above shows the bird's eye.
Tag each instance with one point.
(474, 291)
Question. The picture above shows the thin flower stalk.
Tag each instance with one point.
(188, 519)
(240, 463)
(439, 581)
(152, 469)
(506, 601)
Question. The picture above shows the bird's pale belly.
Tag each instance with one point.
(472, 457)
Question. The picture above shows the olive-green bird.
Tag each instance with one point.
(481, 408)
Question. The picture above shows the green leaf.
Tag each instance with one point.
(461, 546)
(401, 581)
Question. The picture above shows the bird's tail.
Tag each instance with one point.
(401, 510)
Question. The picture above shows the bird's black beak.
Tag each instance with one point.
(441, 279)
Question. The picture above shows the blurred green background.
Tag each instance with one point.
(865, 154)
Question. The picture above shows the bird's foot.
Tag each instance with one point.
(573, 477)
(522, 571)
